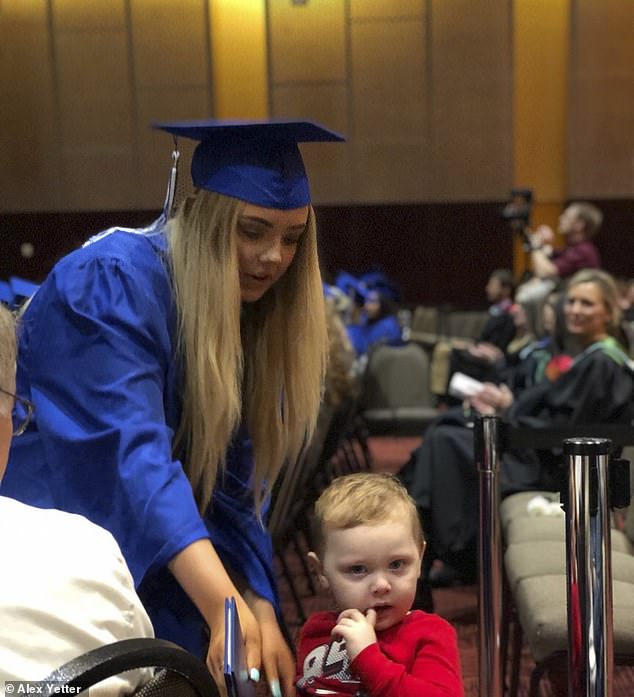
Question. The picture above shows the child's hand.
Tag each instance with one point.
(356, 629)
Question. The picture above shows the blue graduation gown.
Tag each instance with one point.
(367, 334)
(97, 356)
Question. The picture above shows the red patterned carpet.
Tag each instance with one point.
(457, 604)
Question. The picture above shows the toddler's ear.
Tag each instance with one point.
(318, 569)
(423, 547)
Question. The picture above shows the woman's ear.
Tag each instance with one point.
(318, 569)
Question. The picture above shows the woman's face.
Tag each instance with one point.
(267, 240)
(372, 305)
(586, 314)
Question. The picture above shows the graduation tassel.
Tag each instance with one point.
(171, 183)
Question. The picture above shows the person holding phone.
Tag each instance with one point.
(175, 369)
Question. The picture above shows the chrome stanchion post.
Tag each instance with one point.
(588, 562)
(487, 444)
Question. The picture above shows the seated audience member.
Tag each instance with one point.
(377, 324)
(626, 298)
(476, 359)
(579, 223)
(626, 303)
(501, 362)
(368, 549)
(499, 329)
(527, 367)
(596, 386)
(340, 381)
(66, 588)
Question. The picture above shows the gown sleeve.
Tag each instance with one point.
(595, 390)
(97, 357)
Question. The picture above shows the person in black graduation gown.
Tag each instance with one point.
(497, 333)
(499, 328)
(597, 386)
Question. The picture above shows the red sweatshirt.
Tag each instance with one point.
(416, 658)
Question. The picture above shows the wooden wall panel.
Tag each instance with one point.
(239, 57)
(541, 49)
(100, 179)
(388, 110)
(601, 113)
(422, 88)
(30, 173)
(388, 91)
(170, 43)
(307, 42)
(363, 9)
(155, 147)
(171, 68)
(328, 164)
(20, 12)
(91, 14)
(95, 108)
(94, 89)
(471, 99)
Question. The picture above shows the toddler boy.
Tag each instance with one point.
(368, 550)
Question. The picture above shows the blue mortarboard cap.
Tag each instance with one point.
(346, 282)
(6, 294)
(255, 161)
(22, 288)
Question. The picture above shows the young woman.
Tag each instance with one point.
(596, 386)
(174, 370)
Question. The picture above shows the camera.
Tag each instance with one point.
(518, 212)
(518, 209)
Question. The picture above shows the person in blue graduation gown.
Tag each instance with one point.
(174, 369)
(378, 324)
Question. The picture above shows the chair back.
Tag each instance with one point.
(425, 320)
(397, 376)
(183, 674)
(167, 684)
(465, 325)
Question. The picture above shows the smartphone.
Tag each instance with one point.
(235, 665)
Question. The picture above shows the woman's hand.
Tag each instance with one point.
(250, 634)
(202, 575)
(277, 659)
(542, 235)
(492, 399)
(356, 629)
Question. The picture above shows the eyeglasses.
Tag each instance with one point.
(21, 414)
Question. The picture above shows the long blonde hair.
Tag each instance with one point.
(264, 361)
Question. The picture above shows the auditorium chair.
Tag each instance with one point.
(425, 326)
(535, 582)
(396, 398)
(178, 672)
